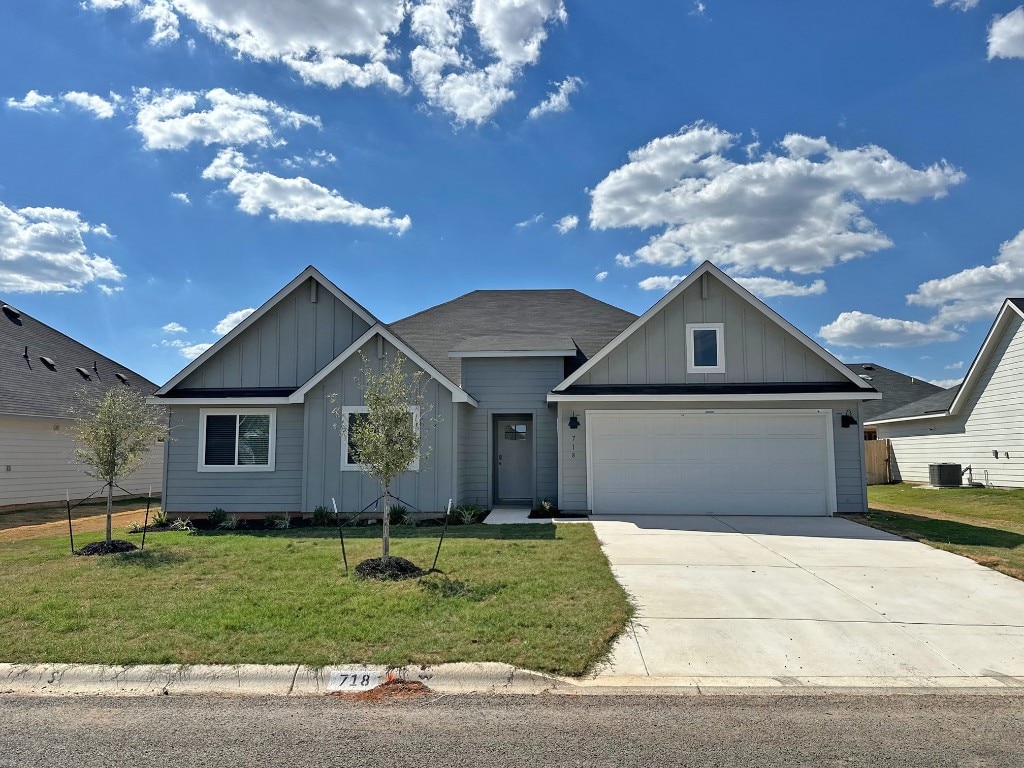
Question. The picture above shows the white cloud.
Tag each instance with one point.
(1006, 36)
(294, 199)
(173, 327)
(946, 383)
(768, 287)
(511, 33)
(601, 276)
(33, 102)
(110, 290)
(858, 329)
(172, 119)
(624, 261)
(955, 366)
(316, 159)
(192, 351)
(231, 320)
(557, 101)
(959, 5)
(530, 221)
(661, 282)
(182, 197)
(42, 250)
(976, 293)
(801, 210)
(567, 224)
(100, 108)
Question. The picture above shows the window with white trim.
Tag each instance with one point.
(237, 440)
(350, 414)
(705, 348)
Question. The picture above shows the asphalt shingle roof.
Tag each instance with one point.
(936, 403)
(515, 342)
(436, 331)
(897, 389)
(31, 387)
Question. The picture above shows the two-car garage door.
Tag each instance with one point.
(710, 462)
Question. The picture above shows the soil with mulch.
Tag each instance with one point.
(390, 690)
(392, 569)
(103, 548)
(540, 514)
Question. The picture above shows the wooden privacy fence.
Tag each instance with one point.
(878, 461)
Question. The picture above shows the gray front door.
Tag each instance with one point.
(513, 458)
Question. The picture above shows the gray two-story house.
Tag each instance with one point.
(709, 403)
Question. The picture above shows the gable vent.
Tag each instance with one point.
(84, 374)
(122, 378)
(48, 362)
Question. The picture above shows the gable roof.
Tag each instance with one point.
(308, 273)
(898, 389)
(708, 268)
(436, 331)
(951, 402)
(31, 387)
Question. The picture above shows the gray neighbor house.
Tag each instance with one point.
(709, 403)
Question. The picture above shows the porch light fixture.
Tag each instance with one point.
(574, 422)
(847, 420)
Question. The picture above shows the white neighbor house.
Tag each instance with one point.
(41, 369)
(980, 424)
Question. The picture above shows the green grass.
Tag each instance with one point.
(984, 524)
(537, 596)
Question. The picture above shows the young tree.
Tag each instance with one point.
(386, 439)
(115, 431)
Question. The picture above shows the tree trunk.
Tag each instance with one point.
(386, 533)
(110, 510)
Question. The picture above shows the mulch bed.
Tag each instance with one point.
(392, 569)
(540, 514)
(103, 548)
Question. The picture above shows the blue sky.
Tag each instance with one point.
(168, 164)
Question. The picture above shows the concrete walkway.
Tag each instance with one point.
(807, 601)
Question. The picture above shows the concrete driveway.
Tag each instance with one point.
(802, 600)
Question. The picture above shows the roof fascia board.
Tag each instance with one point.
(516, 353)
(458, 394)
(217, 401)
(743, 293)
(936, 415)
(308, 272)
(562, 397)
(995, 333)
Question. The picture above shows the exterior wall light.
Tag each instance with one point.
(574, 422)
(847, 420)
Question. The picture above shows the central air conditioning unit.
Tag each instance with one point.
(945, 475)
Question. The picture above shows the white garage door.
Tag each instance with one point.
(715, 463)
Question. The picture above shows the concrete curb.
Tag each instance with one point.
(465, 678)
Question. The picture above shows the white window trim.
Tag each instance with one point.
(691, 366)
(271, 454)
(345, 411)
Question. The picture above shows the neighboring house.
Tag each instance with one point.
(708, 403)
(897, 389)
(41, 371)
(980, 423)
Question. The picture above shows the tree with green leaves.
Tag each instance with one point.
(114, 432)
(386, 439)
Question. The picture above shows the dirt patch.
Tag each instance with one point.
(53, 521)
(390, 690)
(392, 569)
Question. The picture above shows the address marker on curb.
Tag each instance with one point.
(354, 680)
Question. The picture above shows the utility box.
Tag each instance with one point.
(945, 475)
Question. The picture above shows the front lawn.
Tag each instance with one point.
(536, 596)
(984, 524)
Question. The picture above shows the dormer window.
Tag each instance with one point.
(705, 348)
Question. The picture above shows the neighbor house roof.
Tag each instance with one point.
(950, 402)
(536, 314)
(40, 368)
(898, 389)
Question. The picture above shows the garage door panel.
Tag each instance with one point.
(701, 463)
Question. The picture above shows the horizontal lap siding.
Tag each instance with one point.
(848, 445)
(191, 491)
(43, 466)
(508, 386)
(992, 420)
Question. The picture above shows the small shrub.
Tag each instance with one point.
(160, 520)
(467, 514)
(396, 513)
(182, 525)
(277, 522)
(216, 517)
(230, 523)
(547, 507)
(136, 528)
(323, 516)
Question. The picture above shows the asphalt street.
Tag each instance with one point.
(484, 731)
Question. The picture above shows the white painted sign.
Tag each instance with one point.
(354, 680)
